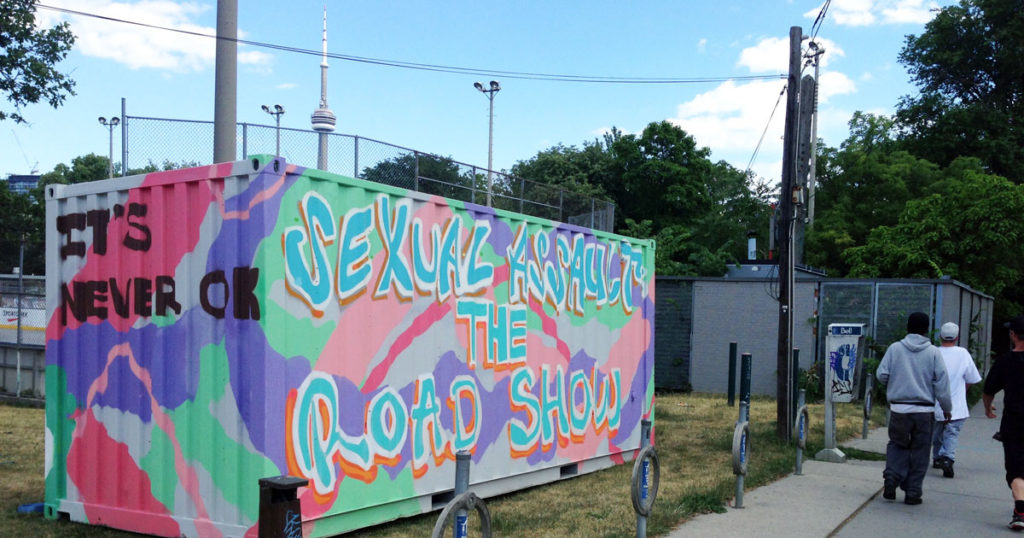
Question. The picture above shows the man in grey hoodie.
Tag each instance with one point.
(915, 378)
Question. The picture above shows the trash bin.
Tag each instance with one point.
(280, 512)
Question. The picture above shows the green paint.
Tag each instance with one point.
(357, 500)
(60, 404)
(158, 464)
(203, 440)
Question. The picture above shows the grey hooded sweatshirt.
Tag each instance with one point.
(917, 373)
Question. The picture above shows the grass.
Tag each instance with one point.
(693, 436)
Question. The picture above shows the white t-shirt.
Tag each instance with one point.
(961, 371)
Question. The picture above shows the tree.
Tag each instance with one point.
(665, 188)
(661, 175)
(969, 229)
(967, 65)
(83, 168)
(28, 59)
(864, 184)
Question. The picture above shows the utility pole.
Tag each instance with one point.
(225, 91)
(783, 392)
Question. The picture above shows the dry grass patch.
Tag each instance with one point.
(693, 436)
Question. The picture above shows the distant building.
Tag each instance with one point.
(22, 183)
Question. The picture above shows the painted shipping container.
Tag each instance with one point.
(212, 326)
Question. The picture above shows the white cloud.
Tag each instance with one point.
(771, 55)
(909, 12)
(867, 76)
(702, 45)
(867, 12)
(732, 116)
(286, 86)
(140, 47)
(834, 83)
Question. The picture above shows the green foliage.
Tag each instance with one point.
(965, 230)
(28, 58)
(967, 65)
(665, 188)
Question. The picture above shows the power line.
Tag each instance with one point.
(436, 67)
(760, 140)
(819, 19)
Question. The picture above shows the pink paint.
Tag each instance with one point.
(434, 313)
(262, 196)
(111, 478)
(186, 474)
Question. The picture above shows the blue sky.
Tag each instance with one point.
(166, 74)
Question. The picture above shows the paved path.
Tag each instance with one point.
(844, 499)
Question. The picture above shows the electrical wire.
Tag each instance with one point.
(523, 75)
(767, 125)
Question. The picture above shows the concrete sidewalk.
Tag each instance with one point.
(844, 499)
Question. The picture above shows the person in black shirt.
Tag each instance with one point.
(1007, 374)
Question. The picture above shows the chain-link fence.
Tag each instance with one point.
(169, 142)
(22, 343)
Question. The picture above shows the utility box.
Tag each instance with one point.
(844, 344)
(212, 326)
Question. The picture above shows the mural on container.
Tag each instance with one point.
(210, 327)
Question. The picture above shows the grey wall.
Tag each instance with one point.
(744, 312)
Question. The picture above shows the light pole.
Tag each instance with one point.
(276, 113)
(495, 88)
(110, 127)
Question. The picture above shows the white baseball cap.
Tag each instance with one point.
(949, 331)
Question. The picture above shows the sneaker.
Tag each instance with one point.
(947, 468)
(889, 491)
(937, 462)
(1017, 523)
(916, 500)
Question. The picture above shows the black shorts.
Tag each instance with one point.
(1013, 456)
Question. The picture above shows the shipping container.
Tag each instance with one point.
(212, 326)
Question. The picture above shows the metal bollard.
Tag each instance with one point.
(745, 378)
(732, 374)
(801, 426)
(795, 388)
(644, 487)
(280, 511)
(740, 449)
(867, 405)
(462, 460)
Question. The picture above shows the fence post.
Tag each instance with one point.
(867, 405)
(522, 193)
(472, 192)
(732, 374)
(245, 141)
(561, 202)
(416, 174)
(355, 165)
(21, 293)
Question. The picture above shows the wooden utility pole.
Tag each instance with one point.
(784, 362)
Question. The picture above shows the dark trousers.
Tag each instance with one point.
(907, 454)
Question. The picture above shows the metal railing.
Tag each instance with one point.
(162, 142)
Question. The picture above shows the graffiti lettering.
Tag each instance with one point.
(583, 272)
(144, 297)
(450, 266)
(137, 237)
(556, 411)
(565, 413)
(499, 329)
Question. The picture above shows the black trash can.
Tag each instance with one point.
(280, 511)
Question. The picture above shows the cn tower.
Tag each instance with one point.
(323, 119)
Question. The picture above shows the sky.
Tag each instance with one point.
(167, 74)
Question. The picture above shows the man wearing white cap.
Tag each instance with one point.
(962, 372)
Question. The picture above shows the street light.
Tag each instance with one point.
(495, 88)
(276, 113)
(110, 126)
